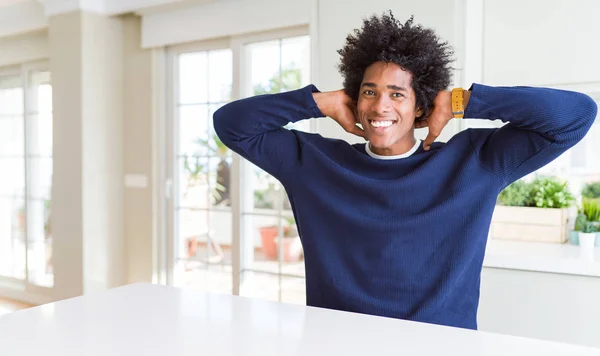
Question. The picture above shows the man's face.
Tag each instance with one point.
(386, 105)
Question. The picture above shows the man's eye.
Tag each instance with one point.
(369, 92)
(397, 95)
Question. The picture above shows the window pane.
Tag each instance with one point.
(193, 182)
(260, 285)
(219, 237)
(204, 250)
(214, 279)
(11, 96)
(40, 178)
(44, 98)
(193, 130)
(579, 154)
(40, 134)
(220, 75)
(260, 240)
(12, 238)
(39, 243)
(215, 139)
(220, 181)
(192, 227)
(265, 189)
(264, 244)
(11, 135)
(193, 78)
(265, 64)
(12, 179)
(295, 62)
(293, 290)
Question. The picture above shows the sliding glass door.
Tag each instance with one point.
(230, 227)
(26, 179)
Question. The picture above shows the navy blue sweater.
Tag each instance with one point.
(402, 238)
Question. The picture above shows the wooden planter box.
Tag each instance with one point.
(530, 224)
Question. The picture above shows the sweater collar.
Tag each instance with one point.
(404, 155)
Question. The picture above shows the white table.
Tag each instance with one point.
(152, 320)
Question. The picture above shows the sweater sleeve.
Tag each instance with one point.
(541, 124)
(254, 128)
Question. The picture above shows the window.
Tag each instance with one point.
(25, 183)
(202, 204)
(273, 268)
(201, 216)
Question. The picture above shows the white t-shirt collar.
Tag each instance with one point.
(404, 155)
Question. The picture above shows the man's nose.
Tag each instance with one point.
(382, 105)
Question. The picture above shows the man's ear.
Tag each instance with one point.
(418, 112)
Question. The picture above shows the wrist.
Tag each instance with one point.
(327, 102)
(458, 102)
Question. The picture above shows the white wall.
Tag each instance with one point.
(23, 48)
(138, 132)
(102, 142)
(87, 193)
(541, 42)
(219, 19)
(547, 306)
(22, 17)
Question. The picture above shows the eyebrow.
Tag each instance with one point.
(391, 86)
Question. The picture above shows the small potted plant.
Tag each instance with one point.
(580, 222)
(533, 211)
(587, 236)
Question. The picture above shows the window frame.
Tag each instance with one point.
(24, 288)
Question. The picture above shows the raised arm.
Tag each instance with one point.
(254, 127)
(541, 124)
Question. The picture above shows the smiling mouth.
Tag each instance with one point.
(381, 125)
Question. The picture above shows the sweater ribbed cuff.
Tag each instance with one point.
(311, 104)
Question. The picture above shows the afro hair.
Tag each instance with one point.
(415, 49)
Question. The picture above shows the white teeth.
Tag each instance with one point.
(381, 123)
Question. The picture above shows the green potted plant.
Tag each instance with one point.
(533, 211)
(590, 208)
(591, 190)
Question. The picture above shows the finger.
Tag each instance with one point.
(431, 136)
(355, 112)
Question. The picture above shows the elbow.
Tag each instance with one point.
(582, 111)
(588, 110)
(585, 110)
(221, 124)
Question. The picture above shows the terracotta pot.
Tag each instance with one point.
(292, 248)
(268, 236)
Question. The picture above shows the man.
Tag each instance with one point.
(397, 227)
